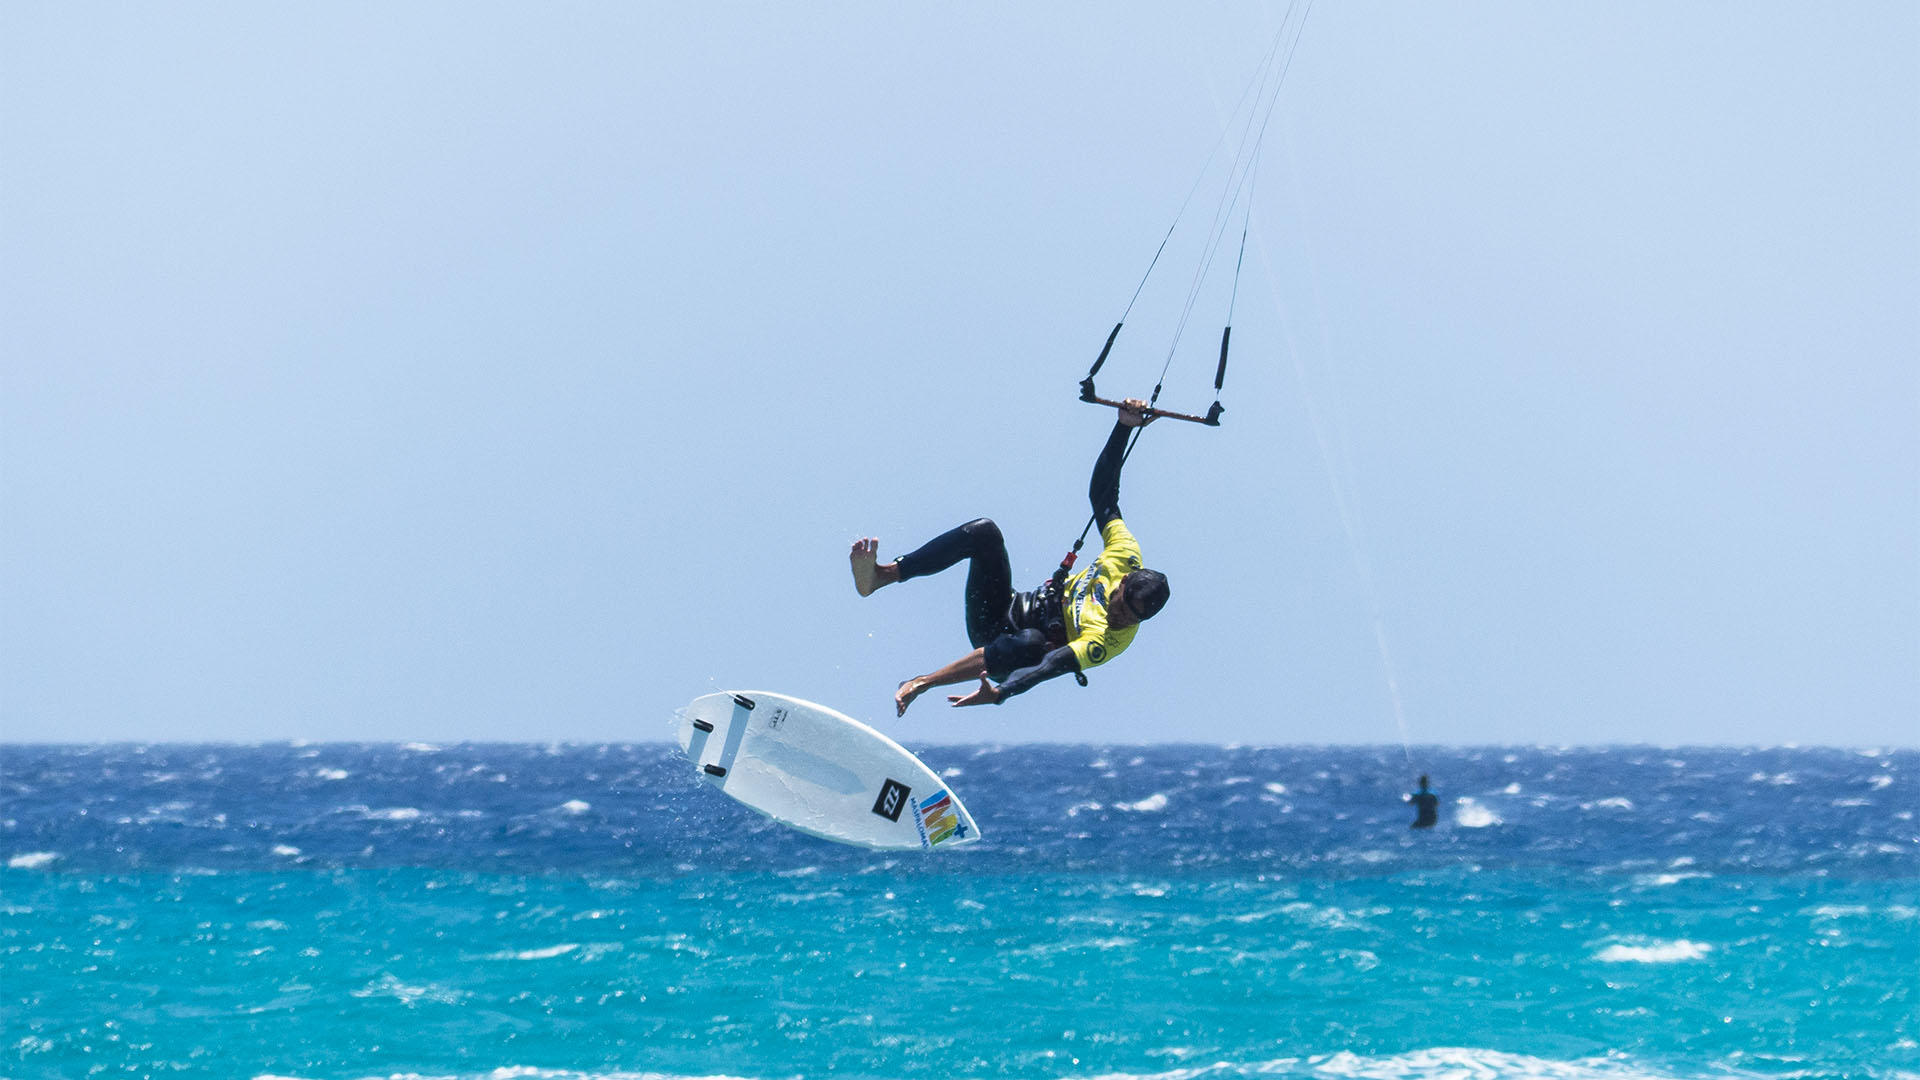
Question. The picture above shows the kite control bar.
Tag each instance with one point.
(1212, 419)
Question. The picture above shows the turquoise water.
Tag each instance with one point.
(370, 973)
(1488, 948)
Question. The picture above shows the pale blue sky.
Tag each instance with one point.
(480, 371)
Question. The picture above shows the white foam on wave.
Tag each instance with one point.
(408, 994)
(1615, 803)
(1656, 952)
(330, 774)
(1472, 815)
(1437, 1063)
(1669, 878)
(575, 806)
(1057, 948)
(286, 851)
(547, 953)
(1467, 1063)
(1153, 803)
(33, 860)
(540, 1072)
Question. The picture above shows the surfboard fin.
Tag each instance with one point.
(713, 770)
(743, 701)
(702, 725)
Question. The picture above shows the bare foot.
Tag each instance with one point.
(868, 574)
(904, 696)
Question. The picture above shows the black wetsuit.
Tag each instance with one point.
(1021, 633)
(1426, 809)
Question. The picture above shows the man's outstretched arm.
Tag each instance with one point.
(1058, 662)
(1104, 490)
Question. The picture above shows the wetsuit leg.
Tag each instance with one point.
(989, 574)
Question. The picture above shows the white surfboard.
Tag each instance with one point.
(821, 772)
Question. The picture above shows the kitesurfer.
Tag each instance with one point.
(1022, 639)
(1426, 806)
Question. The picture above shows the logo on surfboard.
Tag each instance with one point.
(892, 800)
(937, 820)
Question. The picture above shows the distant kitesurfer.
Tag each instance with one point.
(1426, 806)
(1022, 639)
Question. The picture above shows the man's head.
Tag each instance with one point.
(1144, 592)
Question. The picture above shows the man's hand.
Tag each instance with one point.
(1133, 413)
(987, 694)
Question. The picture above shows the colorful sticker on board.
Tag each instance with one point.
(937, 820)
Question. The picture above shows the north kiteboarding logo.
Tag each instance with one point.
(937, 819)
(892, 800)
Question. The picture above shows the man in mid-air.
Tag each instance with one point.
(1022, 639)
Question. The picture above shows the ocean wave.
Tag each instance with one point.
(410, 994)
(1654, 952)
(33, 860)
(547, 953)
(1151, 811)
(390, 813)
(1669, 878)
(1439, 1063)
(1472, 815)
(532, 1072)
(1466, 1063)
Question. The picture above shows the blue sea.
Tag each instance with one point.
(1169, 912)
